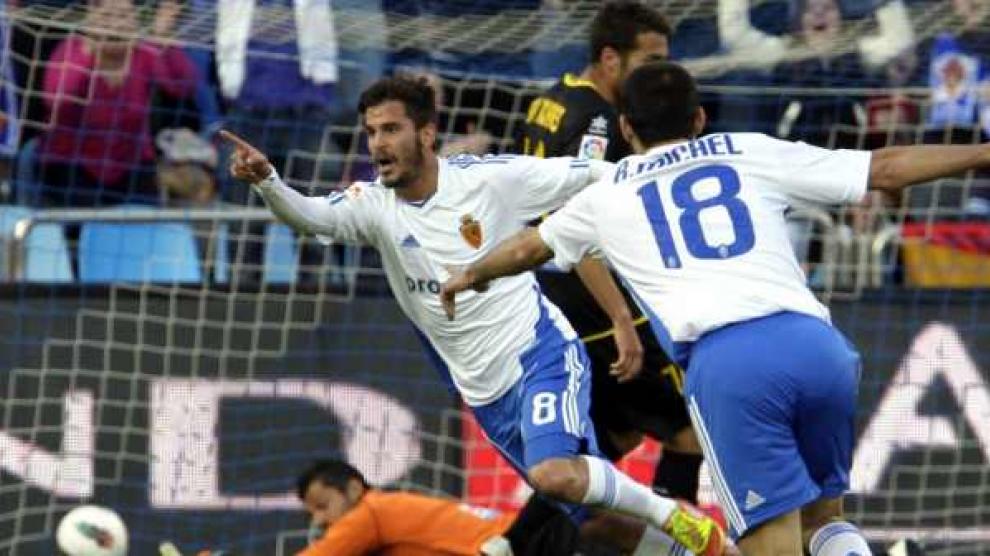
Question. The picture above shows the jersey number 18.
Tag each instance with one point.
(690, 221)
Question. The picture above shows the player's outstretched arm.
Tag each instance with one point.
(893, 168)
(312, 215)
(523, 251)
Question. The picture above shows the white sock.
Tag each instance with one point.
(839, 538)
(656, 543)
(609, 487)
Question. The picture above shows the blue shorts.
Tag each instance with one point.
(545, 414)
(773, 401)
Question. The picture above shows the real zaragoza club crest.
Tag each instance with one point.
(471, 231)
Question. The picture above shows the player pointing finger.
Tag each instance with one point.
(246, 163)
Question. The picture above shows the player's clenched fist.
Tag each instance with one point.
(246, 163)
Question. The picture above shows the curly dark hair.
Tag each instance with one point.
(617, 24)
(415, 94)
(659, 99)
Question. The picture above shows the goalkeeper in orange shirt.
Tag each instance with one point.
(360, 520)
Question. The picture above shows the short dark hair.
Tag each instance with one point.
(617, 24)
(659, 100)
(415, 94)
(331, 472)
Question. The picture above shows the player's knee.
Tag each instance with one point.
(560, 479)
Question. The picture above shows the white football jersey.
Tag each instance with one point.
(697, 228)
(478, 203)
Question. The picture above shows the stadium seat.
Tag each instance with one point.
(46, 251)
(281, 263)
(157, 252)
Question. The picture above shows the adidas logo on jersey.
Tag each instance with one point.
(410, 242)
(753, 500)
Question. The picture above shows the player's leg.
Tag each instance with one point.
(678, 470)
(652, 404)
(826, 534)
(743, 388)
(664, 416)
(542, 528)
(614, 433)
(537, 532)
(556, 431)
(826, 434)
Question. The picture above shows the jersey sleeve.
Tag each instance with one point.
(349, 216)
(570, 232)
(535, 186)
(813, 174)
(355, 534)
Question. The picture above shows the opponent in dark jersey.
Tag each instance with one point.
(574, 118)
(571, 118)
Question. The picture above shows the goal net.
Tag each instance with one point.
(181, 359)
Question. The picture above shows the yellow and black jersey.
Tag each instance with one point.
(572, 119)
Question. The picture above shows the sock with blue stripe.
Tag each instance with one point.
(609, 487)
(839, 538)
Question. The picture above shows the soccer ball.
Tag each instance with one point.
(92, 531)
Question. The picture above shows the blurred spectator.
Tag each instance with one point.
(186, 169)
(9, 128)
(959, 75)
(959, 81)
(752, 47)
(811, 118)
(972, 13)
(363, 52)
(277, 64)
(454, 55)
(954, 77)
(9, 114)
(739, 36)
(98, 88)
(892, 118)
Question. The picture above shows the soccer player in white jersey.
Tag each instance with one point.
(512, 356)
(695, 225)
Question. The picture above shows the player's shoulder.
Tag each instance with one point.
(585, 108)
(581, 92)
(465, 161)
(360, 193)
(572, 98)
(468, 170)
(405, 503)
(753, 139)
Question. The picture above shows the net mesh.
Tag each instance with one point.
(186, 386)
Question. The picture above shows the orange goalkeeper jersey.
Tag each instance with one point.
(407, 524)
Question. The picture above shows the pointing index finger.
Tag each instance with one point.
(235, 140)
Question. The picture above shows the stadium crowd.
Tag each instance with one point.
(93, 97)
